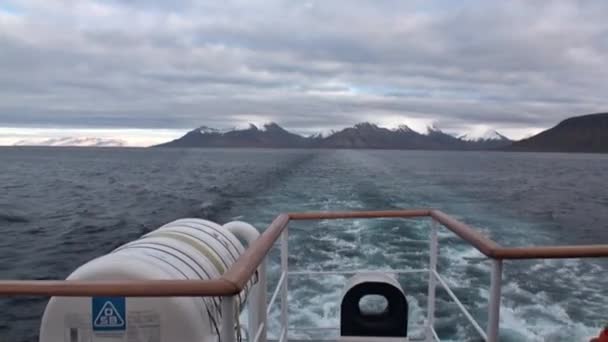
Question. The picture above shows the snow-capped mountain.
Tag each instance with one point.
(433, 129)
(323, 133)
(209, 130)
(484, 135)
(404, 129)
(74, 141)
(269, 135)
(362, 135)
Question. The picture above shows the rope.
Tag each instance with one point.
(204, 250)
(239, 337)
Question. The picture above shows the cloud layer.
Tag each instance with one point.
(310, 65)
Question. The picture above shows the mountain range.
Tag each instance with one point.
(362, 135)
(586, 133)
(74, 141)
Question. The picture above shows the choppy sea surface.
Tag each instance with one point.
(60, 207)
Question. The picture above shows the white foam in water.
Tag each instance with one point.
(518, 322)
(513, 325)
(525, 316)
(417, 317)
(541, 321)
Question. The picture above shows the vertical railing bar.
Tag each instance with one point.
(430, 307)
(435, 336)
(276, 292)
(228, 314)
(283, 335)
(257, 304)
(464, 310)
(494, 301)
(284, 269)
(258, 335)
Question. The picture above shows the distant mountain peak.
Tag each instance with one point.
(316, 136)
(433, 128)
(483, 135)
(323, 134)
(359, 135)
(404, 129)
(273, 126)
(366, 125)
(208, 130)
(74, 141)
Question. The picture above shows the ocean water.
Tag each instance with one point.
(62, 207)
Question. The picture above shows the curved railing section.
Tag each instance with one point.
(233, 281)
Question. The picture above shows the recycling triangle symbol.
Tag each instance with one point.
(108, 317)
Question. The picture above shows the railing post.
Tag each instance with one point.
(257, 305)
(227, 333)
(494, 301)
(430, 306)
(284, 268)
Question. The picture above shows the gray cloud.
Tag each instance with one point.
(159, 64)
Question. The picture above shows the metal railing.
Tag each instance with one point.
(233, 281)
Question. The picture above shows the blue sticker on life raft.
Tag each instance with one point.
(108, 313)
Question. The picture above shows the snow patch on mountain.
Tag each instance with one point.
(434, 128)
(267, 127)
(323, 134)
(74, 141)
(404, 129)
(209, 130)
(483, 135)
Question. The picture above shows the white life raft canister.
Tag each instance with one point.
(182, 249)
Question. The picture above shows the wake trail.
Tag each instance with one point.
(244, 187)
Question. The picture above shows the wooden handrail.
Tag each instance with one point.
(245, 266)
(333, 215)
(115, 288)
(552, 252)
(234, 279)
(468, 234)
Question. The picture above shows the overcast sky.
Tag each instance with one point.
(146, 71)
